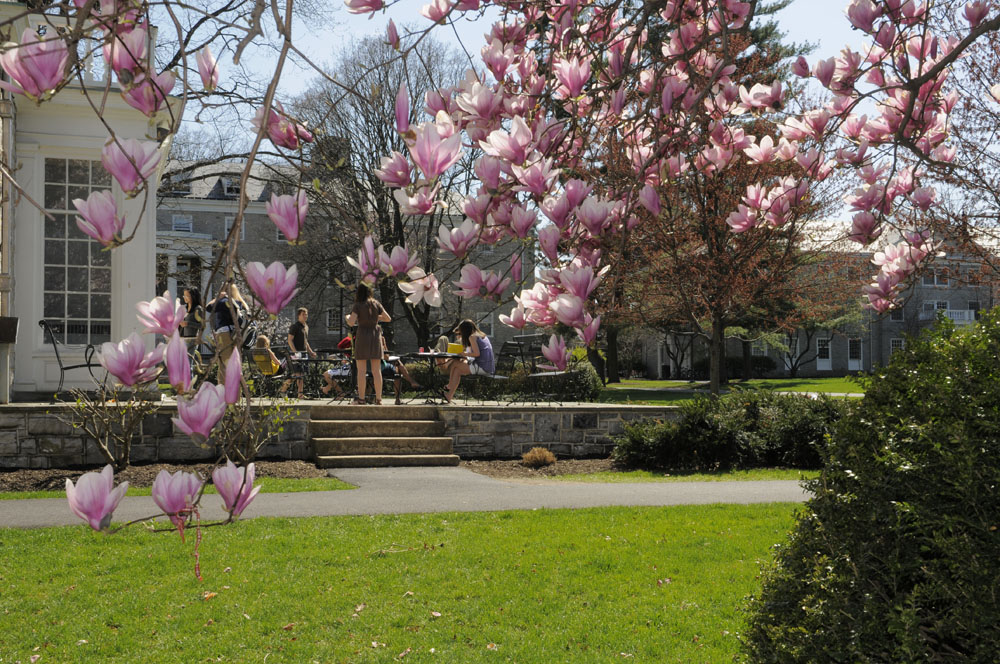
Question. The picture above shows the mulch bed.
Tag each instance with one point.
(54, 479)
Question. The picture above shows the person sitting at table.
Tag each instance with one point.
(340, 370)
(366, 315)
(477, 358)
(265, 359)
(394, 367)
(298, 344)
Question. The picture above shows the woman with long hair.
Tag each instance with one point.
(366, 315)
(477, 357)
(224, 307)
(194, 320)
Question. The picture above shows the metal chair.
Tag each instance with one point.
(88, 356)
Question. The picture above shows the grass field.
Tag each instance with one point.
(674, 392)
(596, 585)
(267, 485)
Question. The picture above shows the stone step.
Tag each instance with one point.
(374, 428)
(386, 460)
(368, 446)
(371, 412)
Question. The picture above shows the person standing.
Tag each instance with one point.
(298, 346)
(194, 320)
(477, 357)
(224, 307)
(366, 315)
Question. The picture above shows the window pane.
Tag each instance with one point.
(100, 177)
(55, 252)
(79, 171)
(100, 331)
(55, 227)
(77, 279)
(57, 328)
(55, 170)
(100, 280)
(76, 331)
(77, 306)
(74, 229)
(99, 256)
(78, 192)
(77, 253)
(55, 197)
(54, 306)
(100, 306)
(55, 279)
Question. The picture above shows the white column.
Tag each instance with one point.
(133, 269)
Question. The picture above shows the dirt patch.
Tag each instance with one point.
(54, 479)
(514, 469)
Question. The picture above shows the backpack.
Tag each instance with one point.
(248, 328)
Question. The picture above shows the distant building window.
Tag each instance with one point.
(178, 185)
(230, 186)
(243, 227)
(183, 223)
(486, 325)
(896, 315)
(823, 349)
(936, 279)
(896, 344)
(934, 305)
(758, 349)
(279, 236)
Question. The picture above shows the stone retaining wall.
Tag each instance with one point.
(35, 436)
(572, 430)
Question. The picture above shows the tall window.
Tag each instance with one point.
(758, 348)
(896, 344)
(896, 314)
(823, 349)
(77, 271)
(182, 223)
(229, 225)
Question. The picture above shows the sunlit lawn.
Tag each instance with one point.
(266, 484)
(843, 385)
(748, 475)
(595, 585)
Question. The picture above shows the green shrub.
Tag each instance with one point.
(760, 365)
(896, 558)
(743, 429)
(579, 383)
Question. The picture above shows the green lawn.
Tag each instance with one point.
(647, 397)
(749, 475)
(595, 585)
(670, 392)
(267, 485)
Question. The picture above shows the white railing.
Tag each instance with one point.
(958, 316)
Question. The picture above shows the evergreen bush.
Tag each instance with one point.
(896, 558)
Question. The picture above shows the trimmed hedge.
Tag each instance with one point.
(744, 429)
(896, 558)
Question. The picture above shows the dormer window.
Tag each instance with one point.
(178, 185)
(231, 187)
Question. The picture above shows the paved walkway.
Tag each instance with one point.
(449, 489)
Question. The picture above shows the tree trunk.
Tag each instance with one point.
(612, 363)
(594, 356)
(715, 362)
(747, 361)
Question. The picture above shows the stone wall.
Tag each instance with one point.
(35, 436)
(573, 430)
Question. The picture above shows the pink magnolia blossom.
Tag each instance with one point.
(399, 261)
(175, 357)
(476, 282)
(160, 315)
(37, 67)
(862, 14)
(423, 201)
(234, 378)
(572, 74)
(198, 414)
(421, 287)
(235, 486)
(555, 352)
(94, 497)
(650, 199)
(128, 361)
(864, 228)
(432, 154)
(569, 309)
(522, 220)
(175, 495)
(363, 6)
(125, 52)
(149, 94)
(437, 10)
(516, 319)
(282, 130)
(537, 178)
(459, 240)
(510, 146)
(976, 11)
(548, 240)
(288, 212)
(576, 191)
(100, 218)
(392, 35)
(394, 171)
(489, 170)
(367, 262)
(208, 69)
(588, 331)
(516, 267)
(273, 286)
(579, 280)
(131, 162)
(762, 152)
(402, 110)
